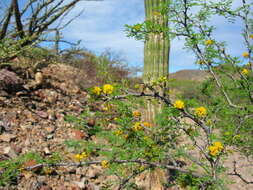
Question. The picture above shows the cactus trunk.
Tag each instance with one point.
(157, 45)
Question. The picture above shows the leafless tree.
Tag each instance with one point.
(25, 24)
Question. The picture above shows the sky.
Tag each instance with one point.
(101, 26)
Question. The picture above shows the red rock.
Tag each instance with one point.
(79, 135)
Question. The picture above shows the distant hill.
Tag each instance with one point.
(191, 74)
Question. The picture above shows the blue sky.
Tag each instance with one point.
(101, 26)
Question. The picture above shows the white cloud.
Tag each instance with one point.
(101, 26)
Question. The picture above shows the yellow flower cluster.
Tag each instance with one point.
(245, 71)
(96, 90)
(200, 111)
(146, 124)
(251, 36)
(179, 104)
(81, 156)
(107, 89)
(162, 79)
(208, 42)
(216, 148)
(137, 27)
(118, 132)
(137, 126)
(136, 113)
(105, 164)
(245, 54)
(201, 62)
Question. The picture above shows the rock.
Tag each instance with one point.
(50, 129)
(9, 152)
(38, 78)
(4, 126)
(41, 179)
(77, 134)
(80, 184)
(42, 114)
(94, 171)
(47, 151)
(7, 137)
(10, 81)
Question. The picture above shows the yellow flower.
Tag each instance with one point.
(147, 124)
(105, 164)
(162, 79)
(179, 104)
(218, 145)
(84, 155)
(107, 89)
(96, 90)
(201, 62)
(245, 54)
(213, 150)
(136, 113)
(208, 42)
(137, 126)
(137, 26)
(118, 132)
(200, 111)
(78, 157)
(251, 36)
(245, 71)
(216, 148)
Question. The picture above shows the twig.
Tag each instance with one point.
(152, 164)
(235, 173)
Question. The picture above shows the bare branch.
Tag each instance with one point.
(236, 173)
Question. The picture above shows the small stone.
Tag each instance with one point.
(51, 136)
(42, 114)
(50, 129)
(41, 179)
(10, 152)
(47, 151)
(79, 135)
(38, 78)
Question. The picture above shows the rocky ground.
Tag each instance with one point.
(32, 120)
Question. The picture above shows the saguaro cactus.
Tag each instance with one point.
(157, 45)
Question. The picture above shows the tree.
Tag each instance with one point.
(22, 27)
